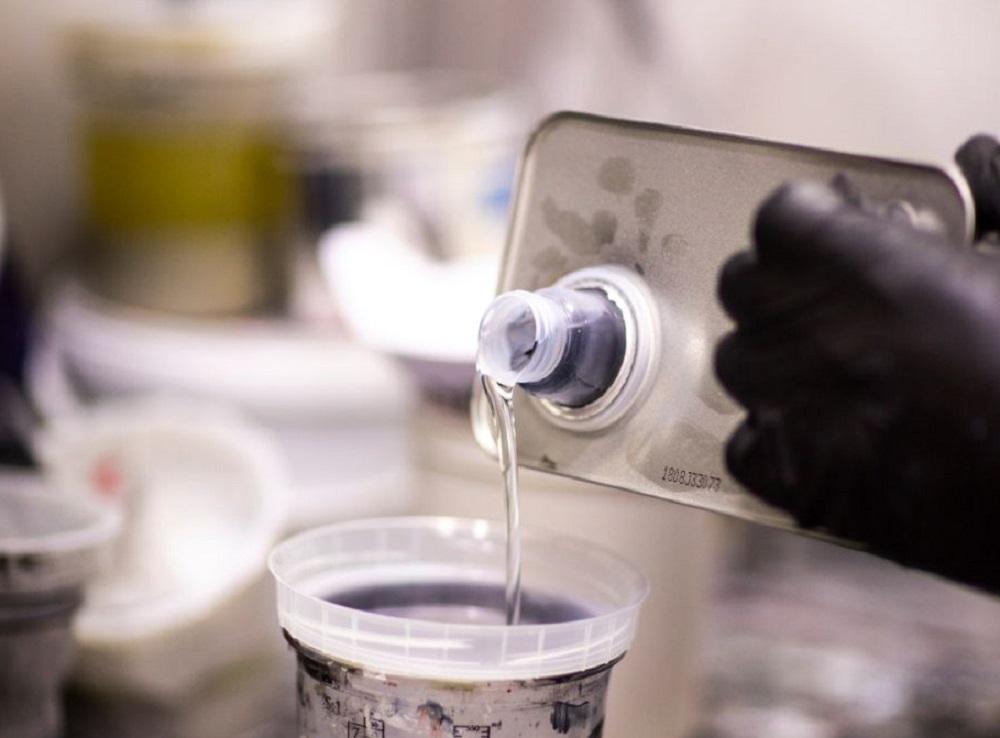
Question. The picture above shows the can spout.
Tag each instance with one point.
(522, 337)
(561, 344)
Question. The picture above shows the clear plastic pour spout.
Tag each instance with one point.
(563, 344)
(522, 337)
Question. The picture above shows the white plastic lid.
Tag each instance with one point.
(322, 562)
(49, 541)
(522, 337)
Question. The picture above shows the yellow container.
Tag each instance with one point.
(187, 208)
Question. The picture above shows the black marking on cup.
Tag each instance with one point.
(566, 716)
(437, 719)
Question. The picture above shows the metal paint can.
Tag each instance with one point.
(647, 214)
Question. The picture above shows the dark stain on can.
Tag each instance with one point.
(576, 233)
(647, 206)
(675, 248)
(549, 264)
(604, 225)
(617, 175)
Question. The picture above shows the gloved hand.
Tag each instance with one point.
(867, 355)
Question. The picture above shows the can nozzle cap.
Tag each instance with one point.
(522, 338)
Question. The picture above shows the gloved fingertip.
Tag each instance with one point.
(976, 148)
(732, 276)
(979, 160)
(790, 214)
(739, 450)
(753, 457)
(726, 360)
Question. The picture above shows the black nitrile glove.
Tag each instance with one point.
(979, 160)
(868, 357)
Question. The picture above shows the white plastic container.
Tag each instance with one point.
(335, 414)
(336, 411)
(49, 546)
(202, 497)
(440, 144)
(457, 670)
(176, 637)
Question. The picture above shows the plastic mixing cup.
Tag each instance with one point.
(49, 545)
(398, 625)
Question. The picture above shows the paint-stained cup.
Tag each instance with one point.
(398, 625)
(49, 545)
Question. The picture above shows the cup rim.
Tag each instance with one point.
(470, 652)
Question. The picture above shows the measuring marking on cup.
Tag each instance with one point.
(398, 628)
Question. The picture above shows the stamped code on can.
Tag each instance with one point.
(692, 479)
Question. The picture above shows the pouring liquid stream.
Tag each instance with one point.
(501, 400)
